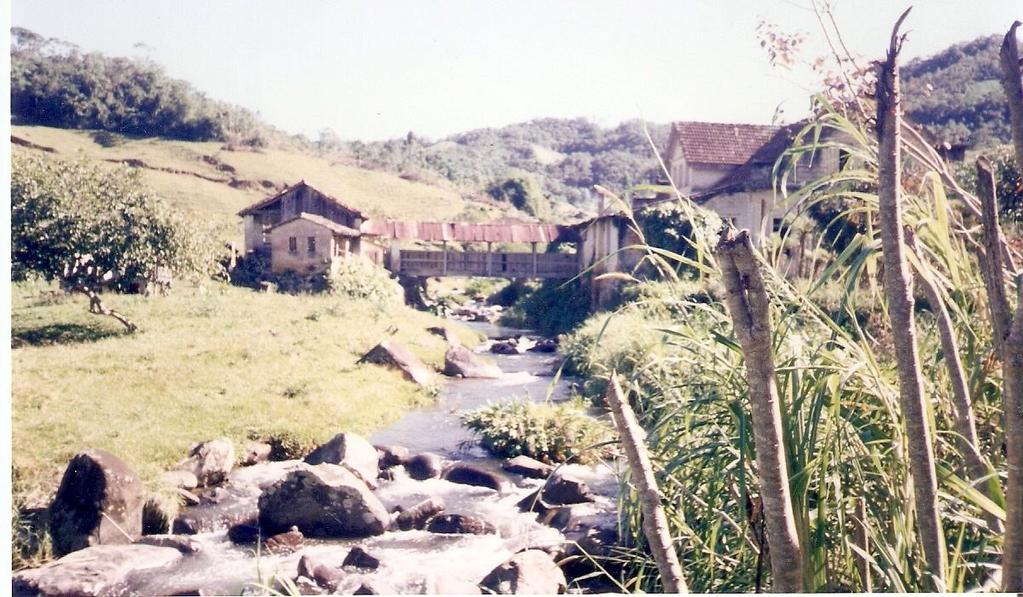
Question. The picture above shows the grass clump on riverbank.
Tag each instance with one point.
(207, 362)
(551, 433)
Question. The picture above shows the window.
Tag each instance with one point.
(292, 245)
(311, 245)
(776, 225)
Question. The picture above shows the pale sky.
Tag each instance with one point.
(377, 69)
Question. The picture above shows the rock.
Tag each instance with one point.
(392, 354)
(505, 347)
(544, 345)
(306, 586)
(323, 574)
(389, 456)
(179, 479)
(452, 586)
(210, 461)
(445, 333)
(285, 543)
(562, 489)
(459, 524)
(255, 453)
(348, 449)
(528, 467)
(374, 586)
(417, 516)
(533, 503)
(227, 507)
(460, 361)
(387, 475)
(359, 558)
(244, 533)
(530, 572)
(158, 514)
(424, 466)
(468, 474)
(182, 543)
(99, 502)
(325, 501)
(93, 571)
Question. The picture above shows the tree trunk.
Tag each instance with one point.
(96, 306)
(962, 405)
(898, 291)
(749, 307)
(1013, 86)
(655, 523)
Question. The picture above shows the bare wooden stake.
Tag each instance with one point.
(748, 305)
(899, 294)
(655, 522)
(1012, 83)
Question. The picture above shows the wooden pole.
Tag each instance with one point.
(655, 522)
(863, 542)
(534, 259)
(489, 259)
(444, 265)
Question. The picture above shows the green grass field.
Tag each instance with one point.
(379, 194)
(207, 362)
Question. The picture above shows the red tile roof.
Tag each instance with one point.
(722, 143)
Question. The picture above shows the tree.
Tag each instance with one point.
(523, 192)
(92, 229)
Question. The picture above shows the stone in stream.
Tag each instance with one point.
(460, 524)
(179, 479)
(424, 466)
(255, 453)
(220, 509)
(530, 572)
(244, 533)
(359, 558)
(392, 354)
(322, 573)
(183, 543)
(93, 571)
(390, 456)
(468, 474)
(210, 461)
(528, 467)
(417, 516)
(99, 502)
(285, 543)
(562, 489)
(350, 450)
(459, 361)
(324, 501)
(544, 345)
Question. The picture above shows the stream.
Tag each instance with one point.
(414, 561)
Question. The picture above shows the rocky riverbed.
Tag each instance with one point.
(422, 511)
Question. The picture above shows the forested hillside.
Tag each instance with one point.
(956, 94)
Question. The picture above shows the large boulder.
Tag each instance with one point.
(99, 502)
(562, 489)
(459, 524)
(323, 501)
(217, 510)
(416, 516)
(528, 467)
(468, 474)
(97, 570)
(255, 453)
(392, 354)
(425, 466)
(459, 361)
(391, 456)
(210, 461)
(530, 572)
(348, 449)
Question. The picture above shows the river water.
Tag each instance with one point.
(412, 561)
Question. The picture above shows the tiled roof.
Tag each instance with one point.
(722, 143)
(523, 232)
(322, 221)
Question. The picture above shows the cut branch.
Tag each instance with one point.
(96, 306)
(748, 306)
(898, 291)
(655, 522)
(1013, 86)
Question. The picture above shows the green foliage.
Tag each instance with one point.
(522, 192)
(956, 95)
(54, 84)
(551, 433)
(554, 307)
(1008, 183)
(359, 279)
(667, 226)
(89, 228)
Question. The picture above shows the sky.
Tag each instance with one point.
(377, 69)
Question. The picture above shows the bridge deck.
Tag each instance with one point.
(498, 265)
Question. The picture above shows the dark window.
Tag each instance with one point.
(292, 245)
(776, 225)
(843, 158)
(311, 243)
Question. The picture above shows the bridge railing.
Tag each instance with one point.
(500, 265)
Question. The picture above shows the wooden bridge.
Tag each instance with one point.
(443, 261)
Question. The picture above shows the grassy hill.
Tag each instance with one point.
(214, 183)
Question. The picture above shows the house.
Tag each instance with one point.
(304, 230)
(727, 168)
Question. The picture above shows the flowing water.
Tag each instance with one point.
(411, 561)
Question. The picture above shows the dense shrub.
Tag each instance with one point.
(360, 279)
(554, 307)
(551, 433)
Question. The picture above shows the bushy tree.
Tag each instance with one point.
(523, 192)
(93, 229)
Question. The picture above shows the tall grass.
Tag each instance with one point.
(843, 430)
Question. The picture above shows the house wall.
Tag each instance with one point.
(301, 199)
(746, 210)
(253, 233)
(282, 259)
